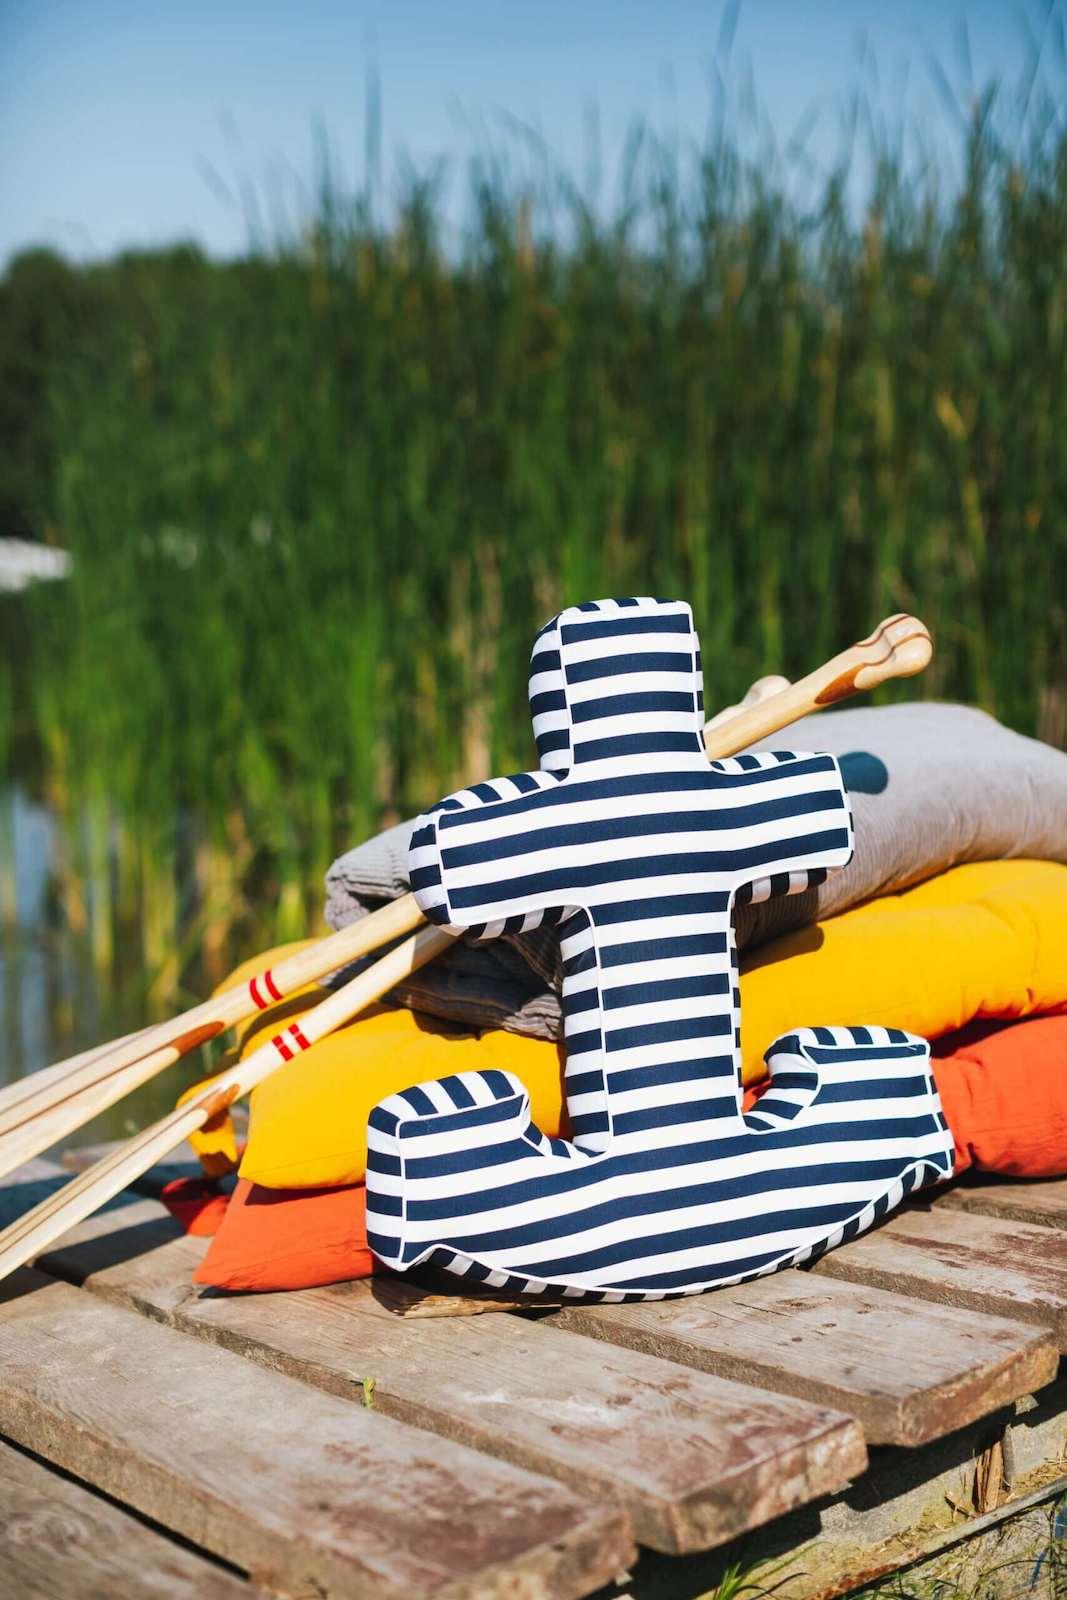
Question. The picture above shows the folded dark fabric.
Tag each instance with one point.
(931, 785)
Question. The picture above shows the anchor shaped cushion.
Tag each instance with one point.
(637, 846)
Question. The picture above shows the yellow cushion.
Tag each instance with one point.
(984, 940)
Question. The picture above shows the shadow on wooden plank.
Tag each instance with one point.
(27, 1187)
(425, 1292)
(35, 1182)
(1042, 1201)
(133, 1234)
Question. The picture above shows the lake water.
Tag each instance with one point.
(53, 1002)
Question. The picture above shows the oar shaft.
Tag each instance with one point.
(98, 1184)
(212, 1017)
(73, 1109)
(28, 1088)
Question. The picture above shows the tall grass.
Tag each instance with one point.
(320, 498)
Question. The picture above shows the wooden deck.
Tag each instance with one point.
(368, 1440)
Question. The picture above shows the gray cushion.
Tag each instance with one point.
(931, 785)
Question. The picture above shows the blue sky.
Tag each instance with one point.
(131, 121)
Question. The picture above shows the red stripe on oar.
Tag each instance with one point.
(305, 1044)
(282, 1048)
(253, 990)
(270, 985)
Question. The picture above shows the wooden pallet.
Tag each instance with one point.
(365, 1440)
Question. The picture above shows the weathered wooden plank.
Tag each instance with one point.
(418, 1294)
(694, 1458)
(1043, 1202)
(819, 1338)
(60, 1542)
(1010, 1269)
(296, 1486)
(910, 1372)
(157, 1282)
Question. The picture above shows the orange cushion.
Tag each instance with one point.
(289, 1239)
(199, 1204)
(1004, 1093)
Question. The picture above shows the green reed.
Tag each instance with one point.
(320, 498)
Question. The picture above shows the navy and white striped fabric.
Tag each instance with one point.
(637, 845)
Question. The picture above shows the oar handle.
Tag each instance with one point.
(900, 647)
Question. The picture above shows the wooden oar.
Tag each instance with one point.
(44, 1108)
(899, 648)
(60, 1120)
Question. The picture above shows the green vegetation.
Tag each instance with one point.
(751, 1580)
(989, 1568)
(320, 498)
